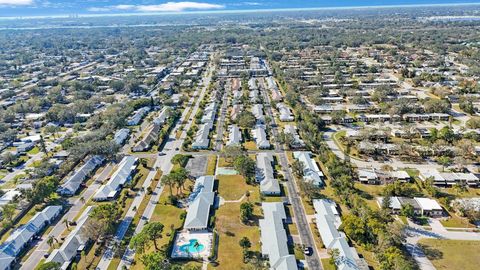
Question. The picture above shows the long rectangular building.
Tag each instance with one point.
(23, 235)
(273, 237)
(71, 186)
(328, 221)
(73, 244)
(268, 184)
(122, 175)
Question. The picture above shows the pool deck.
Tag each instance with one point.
(182, 238)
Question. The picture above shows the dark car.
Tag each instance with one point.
(161, 154)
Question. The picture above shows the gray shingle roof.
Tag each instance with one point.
(264, 174)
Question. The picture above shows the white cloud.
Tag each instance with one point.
(99, 9)
(166, 7)
(178, 6)
(16, 2)
(124, 7)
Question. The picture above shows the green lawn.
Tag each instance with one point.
(211, 165)
(327, 265)
(233, 187)
(452, 254)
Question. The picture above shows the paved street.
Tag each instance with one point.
(300, 216)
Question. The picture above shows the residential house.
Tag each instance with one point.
(297, 141)
(328, 220)
(73, 182)
(264, 175)
(73, 245)
(123, 174)
(260, 137)
(273, 237)
(201, 139)
(21, 237)
(200, 204)
(311, 171)
(234, 136)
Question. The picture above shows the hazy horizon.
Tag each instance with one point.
(52, 8)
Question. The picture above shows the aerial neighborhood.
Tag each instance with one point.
(296, 139)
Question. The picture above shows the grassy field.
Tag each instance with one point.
(233, 187)
(327, 265)
(211, 165)
(250, 145)
(455, 221)
(452, 254)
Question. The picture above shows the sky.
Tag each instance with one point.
(24, 8)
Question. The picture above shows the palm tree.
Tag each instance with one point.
(65, 221)
(169, 181)
(196, 246)
(50, 241)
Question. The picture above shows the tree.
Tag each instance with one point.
(246, 120)
(140, 242)
(246, 212)
(153, 231)
(444, 161)
(245, 167)
(168, 180)
(334, 255)
(408, 210)
(42, 189)
(245, 243)
(297, 168)
(155, 261)
(180, 160)
(8, 211)
(230, 153)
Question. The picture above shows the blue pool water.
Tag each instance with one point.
(190, 247)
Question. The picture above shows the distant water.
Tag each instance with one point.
(68, 7)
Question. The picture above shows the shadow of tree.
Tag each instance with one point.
(431, 253)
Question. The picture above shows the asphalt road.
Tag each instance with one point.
(300, 216)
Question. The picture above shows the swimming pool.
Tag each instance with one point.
(191, 246)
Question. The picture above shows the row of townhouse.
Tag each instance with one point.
(138, 116)
(20, 238)
(74, 244)
(449, 179)
(153, 131)
(273, 237)
(327, 219)
(292, 131)
(377, 177)
(200, 203)
(421, 206)
(202, 140)
(265, 174)
(123, 174)
(311, 171)
(234, 136)
(286, 114)
(73, 182)
(275, 92)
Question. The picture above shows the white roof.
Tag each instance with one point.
(428, 204)
(199, 208)
(264, 174)
(274, 237)
(118, 179)
(311, 171)
(74, 242)
(21, 236)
